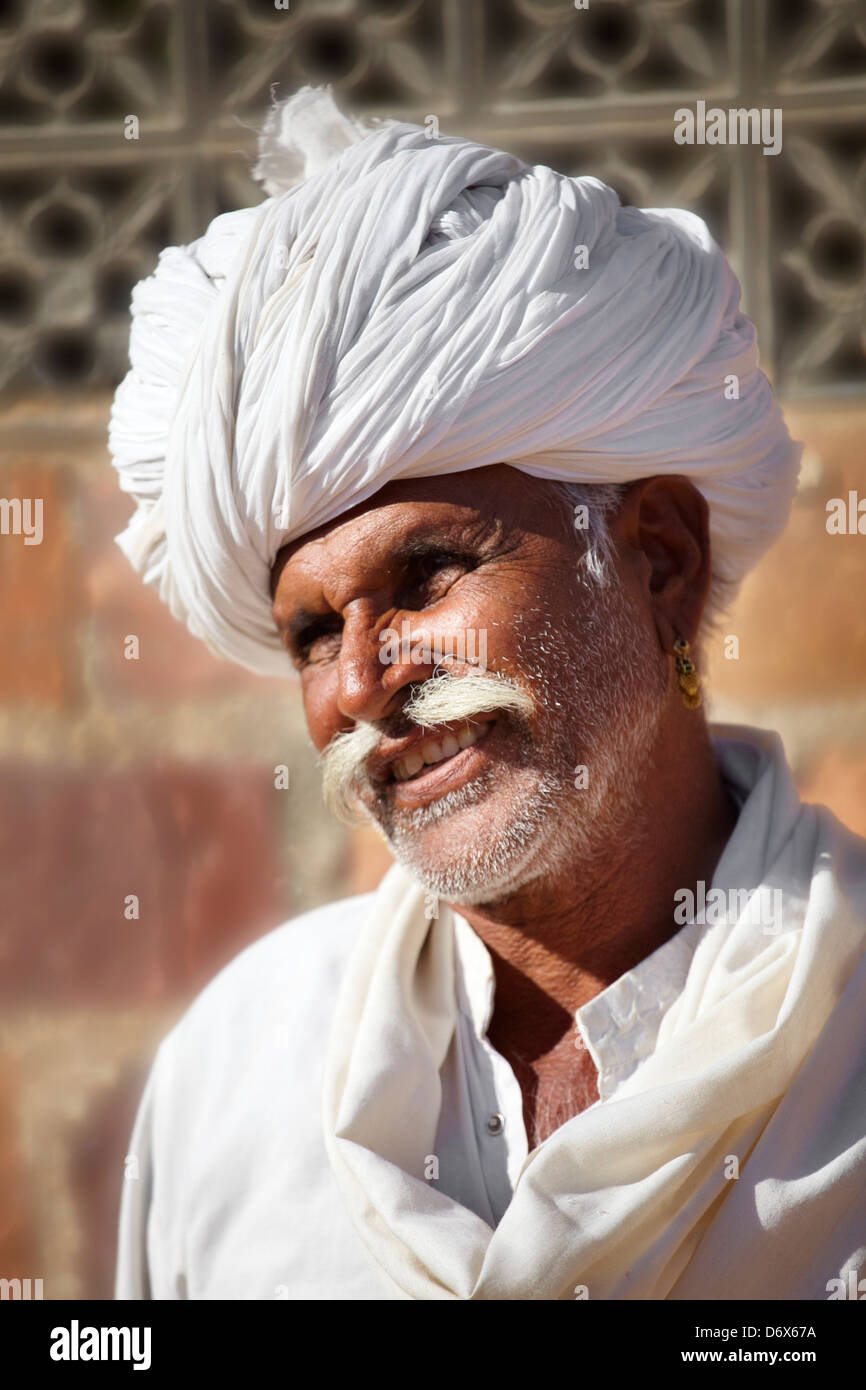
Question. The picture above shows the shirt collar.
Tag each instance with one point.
(620, 1026)
(476, 984)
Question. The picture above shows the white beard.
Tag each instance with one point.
(611, 714)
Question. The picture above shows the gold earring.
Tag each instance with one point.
(690, 685)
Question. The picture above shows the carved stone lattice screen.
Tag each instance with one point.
(155, 776)
(85, 210)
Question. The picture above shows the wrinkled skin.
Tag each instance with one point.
(568, 886)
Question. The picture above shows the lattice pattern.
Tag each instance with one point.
(85, 210)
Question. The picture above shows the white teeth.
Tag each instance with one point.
(471, 734)
(433, 752)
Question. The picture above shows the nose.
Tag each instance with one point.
(375, 669)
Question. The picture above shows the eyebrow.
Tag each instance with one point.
(428, 539)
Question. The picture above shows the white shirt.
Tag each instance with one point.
(231, 1194)
(229, 1131)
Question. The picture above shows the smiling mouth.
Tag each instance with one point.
(434, 752)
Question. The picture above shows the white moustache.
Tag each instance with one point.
(440, 700)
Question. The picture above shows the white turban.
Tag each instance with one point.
(401, 306)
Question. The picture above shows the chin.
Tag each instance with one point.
(487, 846)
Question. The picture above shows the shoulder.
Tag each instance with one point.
(283, 984)
(318, 941)
(237, 1196)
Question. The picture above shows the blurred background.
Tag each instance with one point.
(155, 777)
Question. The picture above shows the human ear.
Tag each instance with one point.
(665, 522)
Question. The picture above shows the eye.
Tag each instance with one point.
(318, 641)
(430, 575)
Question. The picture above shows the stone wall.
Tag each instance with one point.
(154, 777)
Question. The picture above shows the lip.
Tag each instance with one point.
(438, 778)
(380, 764)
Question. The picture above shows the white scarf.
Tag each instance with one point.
(619, 1197)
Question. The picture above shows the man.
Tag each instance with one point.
(600, 1033)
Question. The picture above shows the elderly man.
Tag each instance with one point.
(600, 1033)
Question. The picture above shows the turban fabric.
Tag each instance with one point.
(401, 306)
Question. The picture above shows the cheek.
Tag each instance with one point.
(319, 693)
(481, 611)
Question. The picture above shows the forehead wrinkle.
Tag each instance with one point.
(407, 535)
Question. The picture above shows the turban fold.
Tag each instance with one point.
(401, 306)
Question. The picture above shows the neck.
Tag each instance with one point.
(562, 938)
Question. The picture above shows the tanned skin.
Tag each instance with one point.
(470, 550)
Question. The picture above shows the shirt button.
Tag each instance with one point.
(495, 1124)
